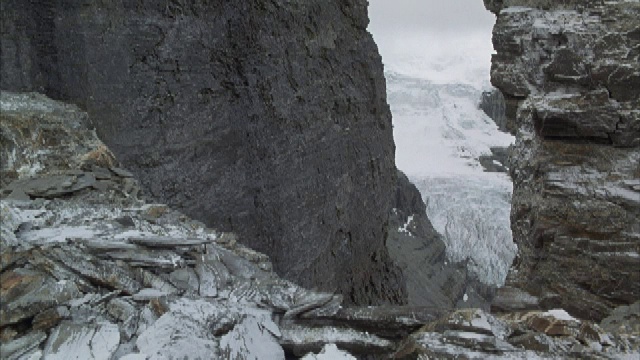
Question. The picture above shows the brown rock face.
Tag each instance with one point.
(569, 71)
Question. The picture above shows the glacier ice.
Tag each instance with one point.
(440, 133)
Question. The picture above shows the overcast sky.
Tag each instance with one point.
(430, 15)
(437, 39)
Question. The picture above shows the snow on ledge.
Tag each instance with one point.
(561, 314)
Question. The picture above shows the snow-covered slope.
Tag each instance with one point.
(437, 60)
(440, 134)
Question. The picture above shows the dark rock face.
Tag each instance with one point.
(497, 161)
(571, 72)
(493, 104)
(268, 119)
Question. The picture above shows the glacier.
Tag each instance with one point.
(440, 134)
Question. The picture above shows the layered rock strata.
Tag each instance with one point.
(570, 75)
(268, 119)
(493, 104)
(88, 270)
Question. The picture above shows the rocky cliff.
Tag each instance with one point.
(268, 119)
(89, 270)
(493, 104)
(570, 75)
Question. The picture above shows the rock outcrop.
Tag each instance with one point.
(474, 334)
(268, 119)
(493, 104)
(88, 270)
(570, 75)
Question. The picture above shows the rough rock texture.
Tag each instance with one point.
(498, 160)
(493, 104)
(97, 273)
(569, 72)
(474, 334)
(421, 254)
(268, 119)
(93, 272)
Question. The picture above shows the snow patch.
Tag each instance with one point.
(330, 352)
(29, 170)
(561, 314)
(405, 228)
(58, 234)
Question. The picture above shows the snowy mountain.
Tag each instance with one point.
(440, 135)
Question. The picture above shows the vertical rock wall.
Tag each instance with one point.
(569, 71)
(493, 104)
(268, 119)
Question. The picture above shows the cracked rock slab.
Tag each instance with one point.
(82, 341)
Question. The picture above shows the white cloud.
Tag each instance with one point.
(443, 41)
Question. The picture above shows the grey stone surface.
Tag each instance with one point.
(64, 297)
(520, 335)
(498, 161)
(493, 104)
(253, 338)
(300, 340)
(82, 341)
(268, 119)
(624, 319)
(20, 347)
(569, 72)
(31, 292)
(160, 242)
(514, 299)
